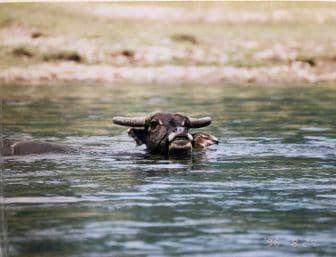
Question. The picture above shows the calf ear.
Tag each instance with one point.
(139, 135)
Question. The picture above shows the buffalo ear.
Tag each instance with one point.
(139, 135)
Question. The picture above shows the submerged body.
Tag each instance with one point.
(8, 148)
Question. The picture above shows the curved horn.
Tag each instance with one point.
(130, 122)
(200, 122)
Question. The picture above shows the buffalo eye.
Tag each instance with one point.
(154, 124)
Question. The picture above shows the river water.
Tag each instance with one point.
(267, 189)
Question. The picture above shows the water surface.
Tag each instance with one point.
(268, 188)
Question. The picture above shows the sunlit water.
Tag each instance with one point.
(268, 188)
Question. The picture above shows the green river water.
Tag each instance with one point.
(267, 189)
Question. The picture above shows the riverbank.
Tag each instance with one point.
(168, 74)
(168, 43)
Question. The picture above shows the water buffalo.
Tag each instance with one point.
(167, 133)
(162, 133)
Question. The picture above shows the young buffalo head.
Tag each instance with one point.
(163, 133)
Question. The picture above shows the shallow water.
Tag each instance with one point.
(268, 188)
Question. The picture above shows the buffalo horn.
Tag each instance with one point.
(200, 122)
(130, 122)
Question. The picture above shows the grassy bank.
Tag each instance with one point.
(257, 38)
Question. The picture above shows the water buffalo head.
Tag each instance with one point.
(163, 133)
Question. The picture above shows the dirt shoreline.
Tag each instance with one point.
(167, 74)
(167, 43)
